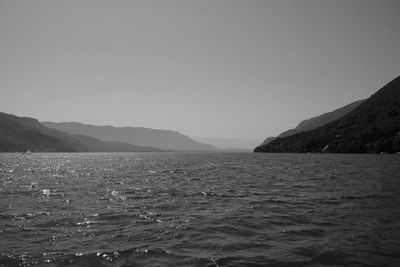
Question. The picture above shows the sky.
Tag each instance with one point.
(212, 68)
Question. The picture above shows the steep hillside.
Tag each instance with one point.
(372, 127)
(318, 121)
(21, 133)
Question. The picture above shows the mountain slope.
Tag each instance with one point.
(96, 145)
(372, 127)
(163, 139)
(313, 123)
(22, 133)
(318, 121)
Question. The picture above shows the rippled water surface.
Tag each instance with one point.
(173, 209)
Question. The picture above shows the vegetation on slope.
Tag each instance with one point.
(372, 127)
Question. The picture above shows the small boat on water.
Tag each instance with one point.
(28, 152)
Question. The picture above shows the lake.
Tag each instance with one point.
(192, 209)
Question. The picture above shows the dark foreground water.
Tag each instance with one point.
(199, 210)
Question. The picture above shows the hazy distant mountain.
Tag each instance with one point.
(163, 139)
(96, 145)
(373, 126)
(22, 133)
(315, 122)
(231, 144)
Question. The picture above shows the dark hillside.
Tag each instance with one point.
(372, 127)
(21, 134)
(318, 121)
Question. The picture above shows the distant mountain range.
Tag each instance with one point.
(315, 122)
(162, 139)
(231, 144)
(23, 133)
(365, 126)
(373, 126)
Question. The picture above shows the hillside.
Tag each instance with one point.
(318, 121)
(163, 139)
(372, 127)
(22, 133)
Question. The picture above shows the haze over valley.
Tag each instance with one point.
(200, 133)
(225, 73)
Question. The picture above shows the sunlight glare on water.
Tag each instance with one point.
(174, 209)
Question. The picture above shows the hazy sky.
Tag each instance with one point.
(235, 69)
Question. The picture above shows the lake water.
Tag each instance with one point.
(182, 209)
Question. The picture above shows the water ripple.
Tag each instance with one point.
(172, 209)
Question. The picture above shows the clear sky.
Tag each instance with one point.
(209, 68)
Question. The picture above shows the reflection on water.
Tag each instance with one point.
(199, 209)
